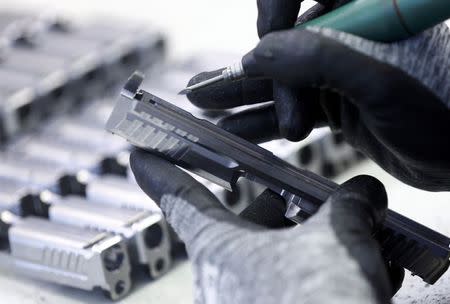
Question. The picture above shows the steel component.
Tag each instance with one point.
(145, 231)
(48, 151)
(151, 123)
(36, 175)
(15, 196)
(116, 191)
(70, 256)
(56, 59)
(13, 25)
(73, 132)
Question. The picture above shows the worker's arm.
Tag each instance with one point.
(332, 258)
(391, 101)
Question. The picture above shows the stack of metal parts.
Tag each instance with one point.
(54, 222)
(70, 210)
(48, 66)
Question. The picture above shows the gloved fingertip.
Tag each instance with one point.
(295, 112)
(267, 210)
(396, 275)
(370, 192)
(137, 157)
(139, 164)
(256, 125)
(294, 128)
(202, 97)
(157, 176)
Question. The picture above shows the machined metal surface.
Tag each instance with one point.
(70, 64)
(72, 131)
(56, 153)
(145, 231)
(116, 191)
(70, 256)
(14, 195)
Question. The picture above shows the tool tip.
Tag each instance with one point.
(184, 92)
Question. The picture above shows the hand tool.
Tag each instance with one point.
(378, 20)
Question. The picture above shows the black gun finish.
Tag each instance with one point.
(151, 123)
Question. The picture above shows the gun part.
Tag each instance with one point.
(151, 123)
(115, 191)
(112, 50)
(62, 59)
(15, 197)
(74, 158)
(145, 232)
(12, 25)
(73, 132)
(41, 174)
(112, 191)
(69, 255)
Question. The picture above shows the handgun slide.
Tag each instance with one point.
(153, 124)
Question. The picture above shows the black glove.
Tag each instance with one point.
(391, 101)
(332, 258)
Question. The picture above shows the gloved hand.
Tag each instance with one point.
(391, 101)
(332, 258)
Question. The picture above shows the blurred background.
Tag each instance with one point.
(173, 41)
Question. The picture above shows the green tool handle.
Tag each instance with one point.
(384, 20)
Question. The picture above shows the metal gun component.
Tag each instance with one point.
(50, 152)
(151, 123)
(111, 50)
(34, 87)
(53, 76)
(16, 105)
(97, 112)
(15, 197)
(37, 176)
(13, 25)
(69, 255)
(72, 131)
(74, 158)
(145, 231)
(76, 155)
(40, 176)
(116, 191)
(82, 69)
(328, 156)
(337, 154)
(135, 49)
(56, 176)
(127, 46)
